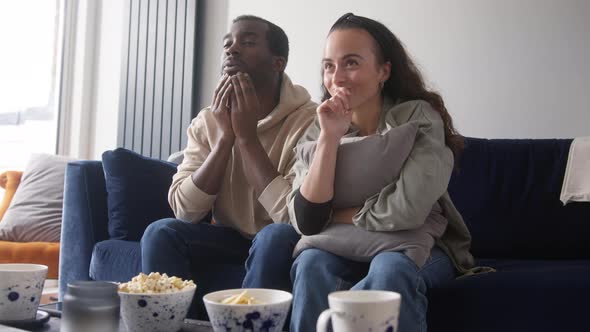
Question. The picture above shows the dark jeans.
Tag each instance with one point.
(316, 273)
(214, 257)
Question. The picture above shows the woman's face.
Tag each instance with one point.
(350, 62)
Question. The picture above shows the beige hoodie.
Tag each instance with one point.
(236, 204)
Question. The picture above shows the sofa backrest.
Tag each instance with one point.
(508, 193)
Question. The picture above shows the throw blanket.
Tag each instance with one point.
(576, 182)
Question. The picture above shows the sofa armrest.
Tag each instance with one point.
(84, 221)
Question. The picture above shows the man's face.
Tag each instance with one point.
(245, 49)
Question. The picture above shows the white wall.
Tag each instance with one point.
(108, 78)
(211, 29)
(506, 69)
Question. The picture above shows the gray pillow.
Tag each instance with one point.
(36, 208)
(360, 245)
(367, 164)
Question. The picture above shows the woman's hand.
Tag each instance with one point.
(335, 115)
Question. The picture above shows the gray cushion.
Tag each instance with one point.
(360, 245)
(365, 165)
(36, 208)
(176, 157)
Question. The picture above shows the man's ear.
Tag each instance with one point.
(279, 63)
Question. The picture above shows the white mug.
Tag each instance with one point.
(361, 310)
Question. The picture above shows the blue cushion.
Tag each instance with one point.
(534, 295)
(137, 189)
(508, 193)
(115, 260)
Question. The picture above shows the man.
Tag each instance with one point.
(237, 164)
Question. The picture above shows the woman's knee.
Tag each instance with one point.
(393, 267)
(438, 269)
(313, 260)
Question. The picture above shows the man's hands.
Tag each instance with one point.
(335, 115)
(245, 108)
(221, 109)
(236, 107)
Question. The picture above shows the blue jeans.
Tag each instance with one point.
(213, 257)
(270, 258)
(316, 273)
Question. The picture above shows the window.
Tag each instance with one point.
(30, 62)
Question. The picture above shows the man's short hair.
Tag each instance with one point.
(277, 39)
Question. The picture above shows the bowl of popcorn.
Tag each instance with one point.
(155, 302)
(248, 309)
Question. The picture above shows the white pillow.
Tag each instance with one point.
(35, 211)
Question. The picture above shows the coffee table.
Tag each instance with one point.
(53, 325)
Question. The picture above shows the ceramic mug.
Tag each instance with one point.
(361, 310)
(21, 286)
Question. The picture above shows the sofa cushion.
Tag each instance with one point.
(535, 295)
(137, 192)
(44, 253)
(507, 190)
(35, 211)
(176, 157)
(115, 260)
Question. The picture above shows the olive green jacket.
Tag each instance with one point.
(424, 178)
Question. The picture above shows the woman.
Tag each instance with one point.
(370, 86)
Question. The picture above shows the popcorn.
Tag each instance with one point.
(155, 283)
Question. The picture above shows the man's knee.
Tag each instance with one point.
(276, 234)
(156, 230)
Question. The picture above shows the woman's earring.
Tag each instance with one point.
(381, 84)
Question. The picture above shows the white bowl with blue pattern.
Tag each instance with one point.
(21, 286)
(268, 316)
(155, 312)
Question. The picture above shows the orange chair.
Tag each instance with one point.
(46, 253)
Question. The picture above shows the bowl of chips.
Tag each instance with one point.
(248, 309)
(155, 302)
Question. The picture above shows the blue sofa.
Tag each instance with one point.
(508, 193)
